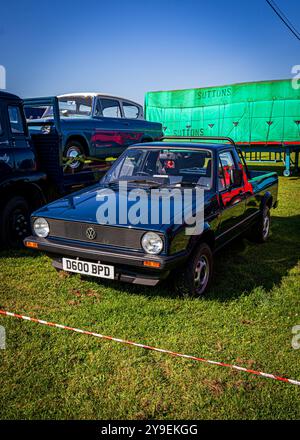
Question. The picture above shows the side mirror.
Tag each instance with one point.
(237, 177)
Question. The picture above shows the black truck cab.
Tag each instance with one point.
(21, 185)
(15, 151)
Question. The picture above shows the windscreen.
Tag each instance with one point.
(178, 166)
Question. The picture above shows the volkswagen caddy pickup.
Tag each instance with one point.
(142, 247)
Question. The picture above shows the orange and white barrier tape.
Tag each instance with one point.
(148, 347)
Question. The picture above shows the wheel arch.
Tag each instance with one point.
(207, 236)
(81, 139)
(31, 192)
(267, 201)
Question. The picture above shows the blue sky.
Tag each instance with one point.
(128, 47)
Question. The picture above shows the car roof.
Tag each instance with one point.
(207, 146)
(94, 94)
(6, 95)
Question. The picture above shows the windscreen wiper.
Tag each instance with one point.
(142, 180)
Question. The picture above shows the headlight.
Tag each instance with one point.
(41, 227)
(152, 243)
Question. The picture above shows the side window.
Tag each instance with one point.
(15, 119)
(111, 108)
(226, 165)
(131, 111)
(84, 109)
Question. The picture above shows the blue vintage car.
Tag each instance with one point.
(91, 125)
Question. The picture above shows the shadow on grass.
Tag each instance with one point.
(18, 253)
(242, 266)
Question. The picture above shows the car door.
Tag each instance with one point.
(232, 198)
(135, 125)
(6, 152)
(109, 138)
(24, 156)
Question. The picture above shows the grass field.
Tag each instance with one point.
(246, 319)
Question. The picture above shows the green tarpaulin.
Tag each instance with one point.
(267, 111)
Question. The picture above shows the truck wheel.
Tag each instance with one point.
(259, 232)
(74, 150)
(15, 222)
(195, 279)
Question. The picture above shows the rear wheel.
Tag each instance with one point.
(195, 279)
(73, 152)
(15, 222)
(260, 231)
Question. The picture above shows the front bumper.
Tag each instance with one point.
(129, 266)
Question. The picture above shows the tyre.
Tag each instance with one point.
(14, 222)
(74, 149)
(260, 232)
(195, 279)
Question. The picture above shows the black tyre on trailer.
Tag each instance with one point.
(74, 150)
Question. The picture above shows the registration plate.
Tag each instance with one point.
(87, 268)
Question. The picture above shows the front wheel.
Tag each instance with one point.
(74, 156)
(195, 279)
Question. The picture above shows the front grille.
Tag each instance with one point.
(105, 234)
